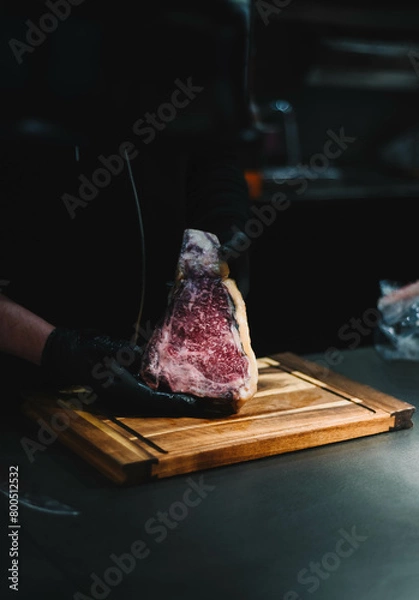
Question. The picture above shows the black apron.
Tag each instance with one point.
(71, 235)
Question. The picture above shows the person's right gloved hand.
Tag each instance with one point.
(109, 367)
(234, 250)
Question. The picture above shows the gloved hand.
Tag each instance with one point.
(107, 366)
(235, 251)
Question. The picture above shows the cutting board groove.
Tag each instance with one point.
(298, 405)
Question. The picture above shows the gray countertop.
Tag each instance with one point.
(334, 522)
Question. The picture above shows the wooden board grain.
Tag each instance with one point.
(298, 405)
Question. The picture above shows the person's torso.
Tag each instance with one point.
(71, 234)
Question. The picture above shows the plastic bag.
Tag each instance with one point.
(396, 336)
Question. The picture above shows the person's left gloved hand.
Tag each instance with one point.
(109, 367)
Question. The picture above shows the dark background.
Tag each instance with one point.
(339, 65)
(327, 66)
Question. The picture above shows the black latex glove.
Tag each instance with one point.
(235, 251)
(108, 367)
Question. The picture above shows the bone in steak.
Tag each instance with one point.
(202, 344)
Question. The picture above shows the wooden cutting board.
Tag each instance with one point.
(298, 405)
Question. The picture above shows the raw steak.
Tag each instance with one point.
(202, 345)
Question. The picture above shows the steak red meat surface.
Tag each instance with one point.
(202, 345)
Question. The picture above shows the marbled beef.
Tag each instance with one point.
(202, 344)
